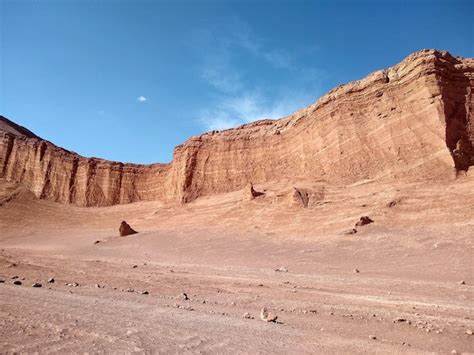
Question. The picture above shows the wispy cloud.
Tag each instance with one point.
(233, 111)
(142, 99)
(237, 96)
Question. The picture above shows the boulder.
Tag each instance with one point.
(251, 193)
(125, 229)
(364, 220)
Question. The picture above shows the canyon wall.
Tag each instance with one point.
(412, 120)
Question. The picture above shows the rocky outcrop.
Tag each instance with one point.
(251, 193)
(304, 197)
(413, 120)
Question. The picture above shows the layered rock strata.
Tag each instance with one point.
(413, 120)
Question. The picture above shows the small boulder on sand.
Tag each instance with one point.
(266, 316)
(125, 229)
(364, 220)
(183, 297)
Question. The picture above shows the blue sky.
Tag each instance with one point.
(129, 80)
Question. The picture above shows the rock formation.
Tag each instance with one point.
(251, 193)
(414, 120)
(125, 229)
(304, 197)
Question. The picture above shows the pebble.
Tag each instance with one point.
(281, 269)
(134, 266)
(145, 293)
(400, 320)
(356, 271)
(37, 284)
(462, 282)
(183, 296)
(469, 332)
(372, 337)
(51, 280)
(247, 315)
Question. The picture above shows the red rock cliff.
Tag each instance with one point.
(414, 119)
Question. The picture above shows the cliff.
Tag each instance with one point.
(413, 120)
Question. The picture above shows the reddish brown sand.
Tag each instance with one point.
(222, 251)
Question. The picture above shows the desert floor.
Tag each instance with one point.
(223, 252)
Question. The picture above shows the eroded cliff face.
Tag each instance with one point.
(59, 175)
(413, 120)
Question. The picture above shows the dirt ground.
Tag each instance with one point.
(403, 284)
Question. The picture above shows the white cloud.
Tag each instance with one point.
(234, 111)
(239, 98)
(142, 99)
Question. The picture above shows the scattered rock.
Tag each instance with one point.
(97, 285)
(183, 297)
(97, 242)
(134, 266)
(125, 229)
(364, 220)
(462, 282)
(130, 290)
(355, 271)
(469, 332)
(281, 269)
(14, 277)
(247, 315)
(37, 284)
(51, 280)
(74, 284)
(2, 281)
(399, 320)
(392, 203)
(372, 337)
(17, 282)
(266, 316)
(144, 293)
(350, 231)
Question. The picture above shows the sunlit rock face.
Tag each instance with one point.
(414, 120)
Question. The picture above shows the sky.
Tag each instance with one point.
(128, 80)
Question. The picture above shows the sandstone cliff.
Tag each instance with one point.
(414, 120)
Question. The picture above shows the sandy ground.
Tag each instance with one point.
(407, 296)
